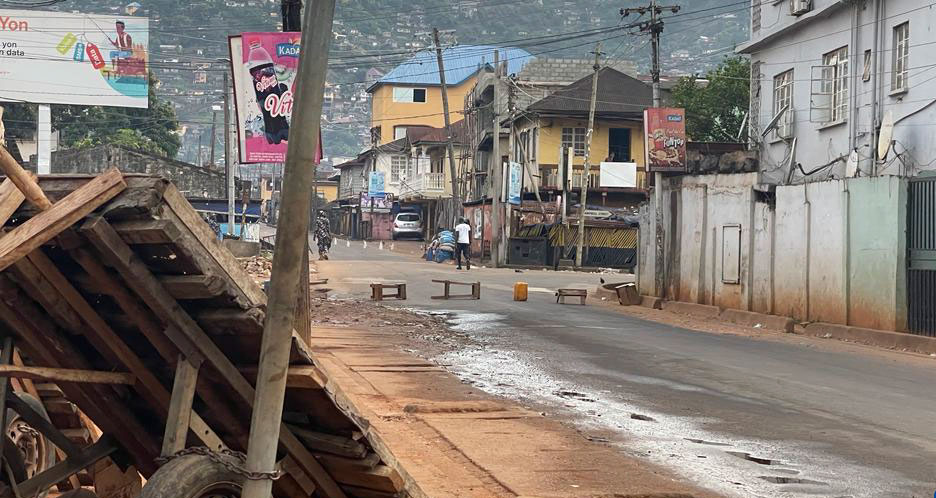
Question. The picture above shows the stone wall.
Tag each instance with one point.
(191, 180)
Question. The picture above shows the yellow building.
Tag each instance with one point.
(411, 95)
(560, 121)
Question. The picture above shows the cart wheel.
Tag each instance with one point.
(35, 449)
(78, 493)
(194, 476)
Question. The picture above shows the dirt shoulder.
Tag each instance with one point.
(451, 439)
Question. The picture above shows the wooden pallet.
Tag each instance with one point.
(118, 274)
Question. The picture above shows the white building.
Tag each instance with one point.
(835, 72)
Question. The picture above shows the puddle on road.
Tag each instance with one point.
(731, 466)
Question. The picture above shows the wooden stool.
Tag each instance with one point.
(561, 294)
(475, 290)
(377, 291)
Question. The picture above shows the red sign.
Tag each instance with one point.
(94, 55)
(665, 135)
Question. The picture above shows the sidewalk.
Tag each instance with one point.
(448, 439)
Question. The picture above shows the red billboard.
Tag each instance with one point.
(665, 135)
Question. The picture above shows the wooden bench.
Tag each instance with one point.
(561, 294)
(377, 291)
(475, 290)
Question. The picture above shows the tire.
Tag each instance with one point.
(36, 454)
(78, 493)
(194, 476)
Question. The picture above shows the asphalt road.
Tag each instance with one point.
(778, 416)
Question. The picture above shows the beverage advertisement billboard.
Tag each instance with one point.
(264, 66)
(81, 59)
(665, 132)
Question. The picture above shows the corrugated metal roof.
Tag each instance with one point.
(461, 62)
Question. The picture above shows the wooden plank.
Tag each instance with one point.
(180, 407)
(103, 448)
(67, 375)
(380, 478)
(193, 286)
(29, 236)
(290, 466)
(10, 200)
(222, 321)
(109, 343)
(328, 443)
(333, 462)
(207, 239)
(23, 180)
(147, 287)
(359, 492)
(148, 231)
(297, 377)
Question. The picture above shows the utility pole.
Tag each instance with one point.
(496, 182)
(211, 153)
(437, 45)
(655, 27)
(228, 168)
(291, 236)
(580, 248)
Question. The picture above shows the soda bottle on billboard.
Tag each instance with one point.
(269, 92)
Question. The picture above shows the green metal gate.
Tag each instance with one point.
(921, 243)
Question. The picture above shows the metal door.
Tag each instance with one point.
(921, 270)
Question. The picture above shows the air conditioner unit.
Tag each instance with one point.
(800, 7)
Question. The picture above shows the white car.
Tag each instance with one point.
(407, 225)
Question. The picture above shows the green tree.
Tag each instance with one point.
(716, 108)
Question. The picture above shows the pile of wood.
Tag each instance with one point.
(118, 282)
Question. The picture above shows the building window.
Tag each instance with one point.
(783, 99)
(574, 137)
(399, 132)
(835, 83)
(409, 95)
(398, 166)
(901, 57)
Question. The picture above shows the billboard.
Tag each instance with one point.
(515, 176)
(617, 175)
(665, 134)
(264, 67)
(375, 184)
(82, 59)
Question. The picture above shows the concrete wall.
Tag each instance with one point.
(830, 251)
(191, 180)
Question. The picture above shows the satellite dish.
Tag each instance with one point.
(851, 167)
(775, 121)
(886, 135)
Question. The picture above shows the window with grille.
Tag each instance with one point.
(835, 83)
(574, 137)
(783, 99)
(398, 168)
(901, 57)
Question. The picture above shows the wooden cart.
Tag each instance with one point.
(116, 291)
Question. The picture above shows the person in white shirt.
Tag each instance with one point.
(463, 243)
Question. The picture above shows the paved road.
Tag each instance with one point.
(743, 416)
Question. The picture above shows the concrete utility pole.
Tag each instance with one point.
(456, 205)
(211, 152)
(655, 27)
(228, 168)
(496, 167)
(291, 236)
(586, 175)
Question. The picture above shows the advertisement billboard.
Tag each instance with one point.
(81, 59)
(665, 134)
(375, 184)
(264, 66)
(513, 183)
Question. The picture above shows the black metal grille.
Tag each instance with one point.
(921, 270)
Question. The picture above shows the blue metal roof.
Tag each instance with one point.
(461, 62)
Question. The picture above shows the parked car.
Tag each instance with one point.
(407, 225)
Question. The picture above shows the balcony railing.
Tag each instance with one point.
(550, 178)
(426, 184)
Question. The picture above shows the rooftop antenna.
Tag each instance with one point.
(775, 121)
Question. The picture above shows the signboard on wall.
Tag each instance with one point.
(375, 184)
(665, 136)
(514, 183)
(618, 175)
(81, 59)
(264, 67)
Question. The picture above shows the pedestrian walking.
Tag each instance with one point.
(322, 235)
(463, 243)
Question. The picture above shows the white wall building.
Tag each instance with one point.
(841, 69)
